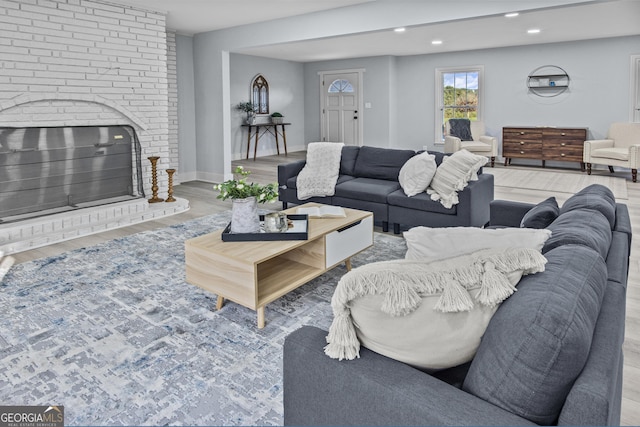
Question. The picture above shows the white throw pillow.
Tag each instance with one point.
(431, 244)
(453, 175)
(416, 174)
(431, 315)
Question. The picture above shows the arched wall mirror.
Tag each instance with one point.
(260, 94)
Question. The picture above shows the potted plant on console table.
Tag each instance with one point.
(277, 118)
(248, 108)
(245, 198)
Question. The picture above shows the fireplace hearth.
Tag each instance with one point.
(49, 170)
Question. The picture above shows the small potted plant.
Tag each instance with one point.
(245, 198)
(277, 118)
(248, 108)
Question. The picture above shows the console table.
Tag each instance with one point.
(260, 130)
(543, 143)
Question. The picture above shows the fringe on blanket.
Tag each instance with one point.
(403, 284)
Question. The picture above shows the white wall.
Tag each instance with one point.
(286, 96)
(186, 108)
(402, 90)
(211, 66)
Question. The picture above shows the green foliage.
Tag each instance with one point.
(460, 103)
(238, 188)
(276, 114)
(247, 107)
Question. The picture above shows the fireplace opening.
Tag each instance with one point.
(46, 170)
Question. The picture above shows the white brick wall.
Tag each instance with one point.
(173, 103)
(71, 62)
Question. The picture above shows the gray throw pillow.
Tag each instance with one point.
(542, 214)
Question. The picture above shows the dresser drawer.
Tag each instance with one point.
(350, 240)
(515, 134)
(566, 153)
(521, 149)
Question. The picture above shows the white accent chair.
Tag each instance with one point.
(482, 144)
(621, 148)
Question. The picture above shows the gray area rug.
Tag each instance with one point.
(115, 334)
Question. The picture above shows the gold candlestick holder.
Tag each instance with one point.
(170, 198)
(154, 180)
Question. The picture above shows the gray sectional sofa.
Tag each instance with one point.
(552, 353)
(368, 180)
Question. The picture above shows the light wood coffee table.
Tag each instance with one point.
(254, 274)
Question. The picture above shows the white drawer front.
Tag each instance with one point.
(341, 245)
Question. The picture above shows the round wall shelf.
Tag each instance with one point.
(548, 81)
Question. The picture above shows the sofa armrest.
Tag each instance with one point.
(289, 170)
(372, 390)
(507, 213)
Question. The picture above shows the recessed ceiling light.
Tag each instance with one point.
(436, 42)
(511, 15)
(533, 31)
(400, 30)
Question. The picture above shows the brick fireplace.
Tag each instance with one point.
(88, 63)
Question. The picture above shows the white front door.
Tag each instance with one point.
(341, 107)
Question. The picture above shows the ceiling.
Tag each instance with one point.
(600, 19)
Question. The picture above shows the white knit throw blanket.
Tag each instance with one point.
(319, 176)
(403, 283)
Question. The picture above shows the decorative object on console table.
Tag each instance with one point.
(170, 197)
(277, 118)
(245, 197)
(543, 143)
(248, 108)
(154, 180)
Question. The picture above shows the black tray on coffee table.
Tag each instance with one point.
(299, 231)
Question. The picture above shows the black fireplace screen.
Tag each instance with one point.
(53, 169)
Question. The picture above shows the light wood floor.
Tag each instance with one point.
(202, 199)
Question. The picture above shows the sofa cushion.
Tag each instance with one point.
(371, 190)
(430, 244)
(539, 339)
(595, 197)
(293, 182)
(580, 227)
(541, 215)
(421, 202)
(381, 163)
(348, 159)
(453, 175)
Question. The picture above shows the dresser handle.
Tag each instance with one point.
(563, 134)
(521, 152)
(562, 144)
(562, 155)
(521, 133)
(521, 142)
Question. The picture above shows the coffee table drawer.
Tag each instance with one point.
(343, 244)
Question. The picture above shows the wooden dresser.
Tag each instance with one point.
(543, 143)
